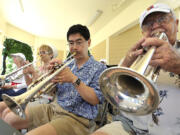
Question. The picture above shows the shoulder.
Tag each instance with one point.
(96, 64)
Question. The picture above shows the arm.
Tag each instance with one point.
(165, 55)
(28, 79)
(86, 92)
(132, 54)
(8, 87)
(30, 74)
(91, 93)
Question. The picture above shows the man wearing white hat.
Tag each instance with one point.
(165, 120)
(18, 85)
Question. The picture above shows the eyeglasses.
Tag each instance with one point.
(78, 43)
(160, 20)
(43, 52)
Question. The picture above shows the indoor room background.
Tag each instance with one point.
(112, 34)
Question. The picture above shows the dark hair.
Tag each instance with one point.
(78, 28)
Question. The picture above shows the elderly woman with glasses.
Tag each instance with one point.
(45, 53)
(30, 73)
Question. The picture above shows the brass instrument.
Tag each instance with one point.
(18, 103)
(132, 90)
(8, 78)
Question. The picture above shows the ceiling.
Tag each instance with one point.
(52, 18)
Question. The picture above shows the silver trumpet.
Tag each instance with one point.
(8, 78)
(17, 104)
(132, 90)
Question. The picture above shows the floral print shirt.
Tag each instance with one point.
(69, 98)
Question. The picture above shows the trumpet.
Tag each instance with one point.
(132, 90)
(8, 78)
(17, 104)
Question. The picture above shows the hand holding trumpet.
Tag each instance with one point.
(65, 76)
(133, 53)
(164, 56)
(8, 86)
(28, 70)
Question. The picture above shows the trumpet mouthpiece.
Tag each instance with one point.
(74, 53)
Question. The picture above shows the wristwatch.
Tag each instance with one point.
(77, 82)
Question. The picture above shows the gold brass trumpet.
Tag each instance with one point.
(18, 103)
(8, 78)
(132, 90)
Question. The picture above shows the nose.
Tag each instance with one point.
(41, 55)
(155, 24)
(74, 46)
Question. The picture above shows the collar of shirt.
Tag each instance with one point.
(86, 64)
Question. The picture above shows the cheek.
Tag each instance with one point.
(50, 57)
(70, 50)
(172, 32)
(41, 56)
(146, 34)
(47, 56)
(15, 61)
(44, 57)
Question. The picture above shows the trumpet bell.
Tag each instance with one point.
(132, 90)
(129, 90)
(12, 103)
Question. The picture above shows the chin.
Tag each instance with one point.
(76, 57)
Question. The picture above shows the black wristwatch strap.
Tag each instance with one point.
(77, 82)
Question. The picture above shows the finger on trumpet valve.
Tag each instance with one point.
(130, 54)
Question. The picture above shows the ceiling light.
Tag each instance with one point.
(95, 17)
(21, 5)
(117, 5)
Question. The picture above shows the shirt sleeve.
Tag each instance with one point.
(95, 83)
(21, 83)
(21, 86)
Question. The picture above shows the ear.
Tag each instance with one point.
(144, 34)
(177, 23)
(89, 42)
(51, 56)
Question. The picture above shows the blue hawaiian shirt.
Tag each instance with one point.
(68, 96)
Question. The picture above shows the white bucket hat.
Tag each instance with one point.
(159, 7)
(55, 52)
(20, 55)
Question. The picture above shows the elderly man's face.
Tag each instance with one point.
(160, 22)
(17, 60)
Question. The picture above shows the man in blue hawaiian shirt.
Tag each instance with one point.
(78, 93)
